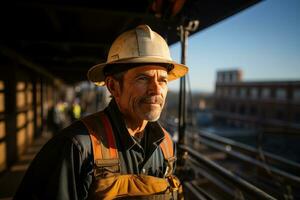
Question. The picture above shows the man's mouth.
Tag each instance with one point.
(153, 100)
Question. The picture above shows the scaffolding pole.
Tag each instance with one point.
(184, 31)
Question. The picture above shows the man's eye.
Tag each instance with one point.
(164, 81)
(142, 78)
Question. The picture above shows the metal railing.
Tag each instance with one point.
(283, 172)
(237, 181)
(280, 162)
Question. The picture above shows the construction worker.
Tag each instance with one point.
(121, 152)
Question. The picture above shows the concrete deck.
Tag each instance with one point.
(10, 180)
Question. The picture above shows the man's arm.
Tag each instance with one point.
(56, 172)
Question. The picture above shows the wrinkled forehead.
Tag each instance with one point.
(150, 70)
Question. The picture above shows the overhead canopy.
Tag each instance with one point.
(67, 37)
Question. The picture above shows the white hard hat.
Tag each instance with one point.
(139, 46)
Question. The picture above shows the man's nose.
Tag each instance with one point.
(154, 88)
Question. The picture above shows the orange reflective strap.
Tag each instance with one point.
(167, 148)
(102, 137)
(110, 136)
(93, 130)
(167, 145)
(97, 150)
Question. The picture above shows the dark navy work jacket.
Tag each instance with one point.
(63, 169)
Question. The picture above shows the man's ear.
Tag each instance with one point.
(113, 86)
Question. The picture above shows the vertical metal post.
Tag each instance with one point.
(182, 90)
(34, 106)
(184, 33)
(10, 92)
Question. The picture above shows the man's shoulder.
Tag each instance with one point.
(74, 134)
(78, 131)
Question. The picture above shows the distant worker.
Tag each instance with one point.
(61, 114)
(75, 110)
(121, 152)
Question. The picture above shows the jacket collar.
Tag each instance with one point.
(154, 129)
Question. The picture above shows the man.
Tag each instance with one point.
(121, 152)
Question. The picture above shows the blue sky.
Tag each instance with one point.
(263, 41)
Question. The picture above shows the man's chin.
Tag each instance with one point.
(151, 117)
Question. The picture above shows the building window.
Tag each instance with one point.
(220, 77)
(266, 93)
(280, 94)
(296, 94)
(233, 77)
(227, 77)
(254, 93)
(243, 92)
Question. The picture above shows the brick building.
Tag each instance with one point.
(271, 105)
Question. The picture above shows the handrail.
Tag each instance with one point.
(285, 175)
(269, 156)
(236, 180)
(235, 192)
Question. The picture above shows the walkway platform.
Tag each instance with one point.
(10, 180)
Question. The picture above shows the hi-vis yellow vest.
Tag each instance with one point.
(108, 183)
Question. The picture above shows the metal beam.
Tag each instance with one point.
(13, 55)
(63, 44)
(84, 8)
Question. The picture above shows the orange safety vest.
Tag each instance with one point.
(108, 182)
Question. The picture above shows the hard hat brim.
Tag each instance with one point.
(96, 75)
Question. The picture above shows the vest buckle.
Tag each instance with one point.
(106, 168)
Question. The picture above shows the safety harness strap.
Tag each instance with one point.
(167, 146)
(103, 141)
(105, 152)
(102, 138)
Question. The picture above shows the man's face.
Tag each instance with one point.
(143, 94)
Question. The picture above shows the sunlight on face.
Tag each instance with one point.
(144, 92)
